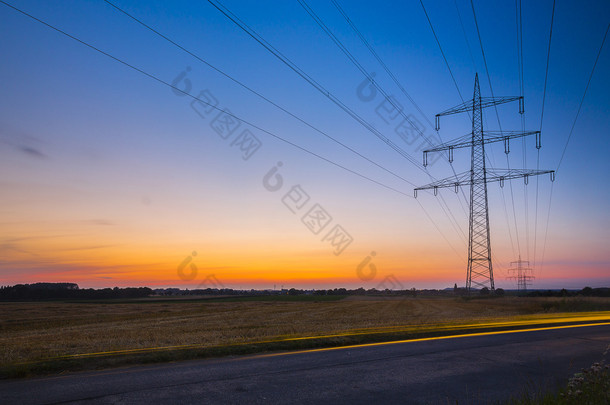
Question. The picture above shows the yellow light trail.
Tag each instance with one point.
(498, 332)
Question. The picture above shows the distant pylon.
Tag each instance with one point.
(521, 274)
(479, 272)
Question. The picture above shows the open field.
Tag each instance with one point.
(38, 331)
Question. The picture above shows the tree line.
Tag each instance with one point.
(50, 291)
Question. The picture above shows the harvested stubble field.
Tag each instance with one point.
(35, 331)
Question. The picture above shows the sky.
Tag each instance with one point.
(208, 162)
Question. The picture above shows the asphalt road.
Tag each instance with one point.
(469, 370)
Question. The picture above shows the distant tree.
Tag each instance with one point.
(484, 291)
(500, 292)
(587, 291)
(455, 289)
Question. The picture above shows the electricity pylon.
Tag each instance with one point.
(480, 270)
(521, 274)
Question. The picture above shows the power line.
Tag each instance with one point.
(568, 140)
(465, 37)
(437, 228)
(583, 98)
(546, 231)
(455, 223)
(520, 39)
(546, 71)
(198, 99)
(519, 30)
(248, 30)
(546, 75)
(214, 107)
(476, 23)
(484, 60)
(255, 92)
(510, 233)
(258, 38)
(381, 62)
(441, 48)
(498, 118)
(359, 66)
(396, 81)
(452, 77)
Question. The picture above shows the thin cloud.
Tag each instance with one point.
(31, 151)
(21, 142)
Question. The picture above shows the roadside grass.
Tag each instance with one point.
(52, 337)
(556, 304)
(576, 304)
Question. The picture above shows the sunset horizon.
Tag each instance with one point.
(123, 154)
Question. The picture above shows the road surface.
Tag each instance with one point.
(475, 369)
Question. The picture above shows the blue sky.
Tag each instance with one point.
(111, 178)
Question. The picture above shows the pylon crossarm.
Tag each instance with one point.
(501, 175)
(489, 137)
(485, 102)
(492, 175)
(457, 180)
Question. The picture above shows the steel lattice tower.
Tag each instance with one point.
(479, 272)
(522, 276)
